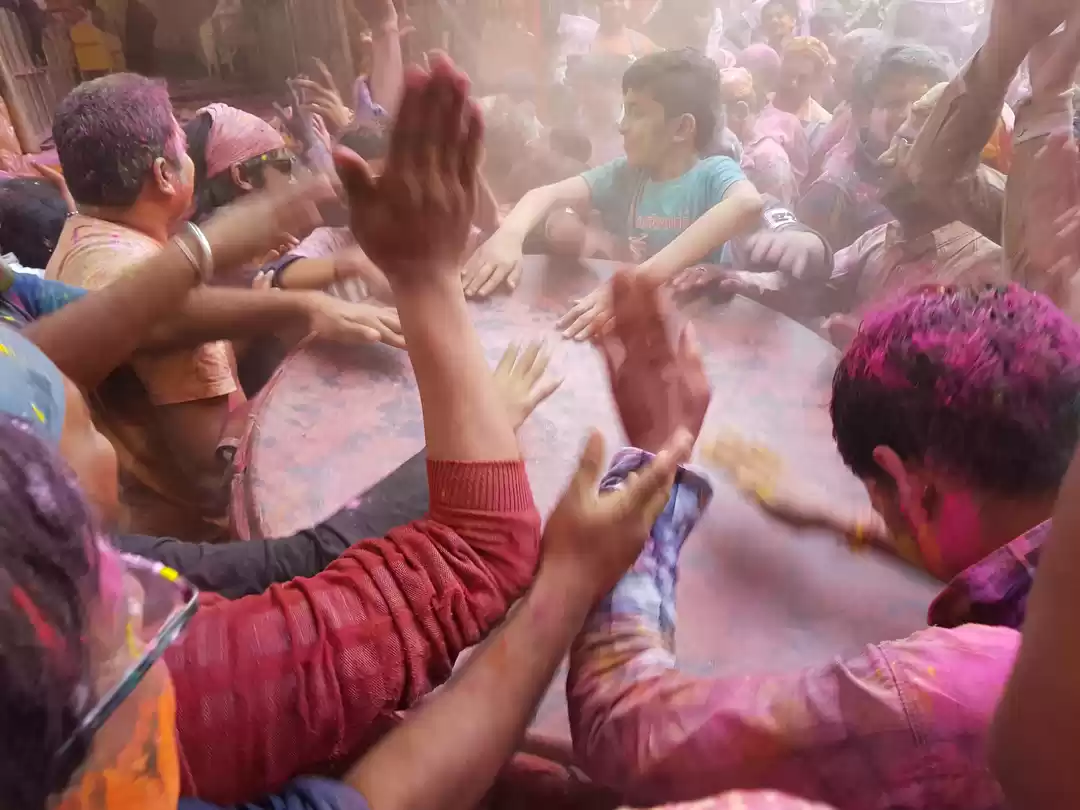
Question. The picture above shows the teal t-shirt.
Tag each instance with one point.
(664, 210)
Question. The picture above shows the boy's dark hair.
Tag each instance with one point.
(369, 141)
(911, 61)
(684, 81)
(980, 384)
(48, 578)
(214, 192)
(32, 216)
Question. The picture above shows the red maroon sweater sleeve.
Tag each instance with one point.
(298, 679)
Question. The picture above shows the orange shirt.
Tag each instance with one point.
(156, 495)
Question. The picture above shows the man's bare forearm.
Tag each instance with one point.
(89, 338)
(216, 313)
(388, 69)
(488, 705)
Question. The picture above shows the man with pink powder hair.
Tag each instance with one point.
(959, 411)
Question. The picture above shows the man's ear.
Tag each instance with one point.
(164, 177)
(238, 178)
(913, 491)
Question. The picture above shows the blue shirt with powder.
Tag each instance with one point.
(652, 214)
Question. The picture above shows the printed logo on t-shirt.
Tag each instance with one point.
(651, 222)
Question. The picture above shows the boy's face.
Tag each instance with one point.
(648, 134)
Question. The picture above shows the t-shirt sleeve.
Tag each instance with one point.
(308, 793)
(605, 183)
(723, 174)
(97, 263)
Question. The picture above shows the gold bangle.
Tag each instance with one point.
(204, 262)
(189, 256)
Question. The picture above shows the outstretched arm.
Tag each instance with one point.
(92, 336)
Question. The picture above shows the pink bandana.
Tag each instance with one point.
(236, 136)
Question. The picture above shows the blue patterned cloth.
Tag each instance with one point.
(647, 591)
(24, 297)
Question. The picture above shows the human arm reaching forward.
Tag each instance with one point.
(163, 301)
(338, 654)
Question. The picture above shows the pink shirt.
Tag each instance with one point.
(902, 724)
(776, 157)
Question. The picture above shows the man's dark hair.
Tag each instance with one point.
(682, 81)
(790, 6)
(827, 18)
(109, 132)
(864, 73)
(983, 385)
(48, 578)
(911, 61)
(32, 216)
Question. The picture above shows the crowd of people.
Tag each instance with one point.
(925, 219)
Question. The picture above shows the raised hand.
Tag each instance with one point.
(1052, 63)
(592, 538)
(324, 99)
(660, 386)
(1017, 25)
(521, 381)
(413, 220)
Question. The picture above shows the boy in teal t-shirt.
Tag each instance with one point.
(673, 207)
(651, 214)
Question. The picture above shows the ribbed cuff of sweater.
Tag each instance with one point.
(480, 486)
